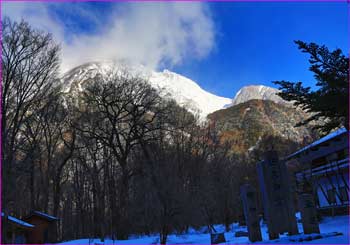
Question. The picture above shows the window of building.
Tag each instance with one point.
(331, 196)
(344, 194)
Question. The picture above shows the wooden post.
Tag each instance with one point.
(308, 214)
(248, 196)
(277, 197)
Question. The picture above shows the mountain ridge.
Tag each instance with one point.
(184, 91)
(255, 111)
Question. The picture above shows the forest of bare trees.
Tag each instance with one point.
(115, 160)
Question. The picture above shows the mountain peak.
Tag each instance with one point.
(184, 91)
(259, 92)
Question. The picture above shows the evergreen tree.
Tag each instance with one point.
(329, 104)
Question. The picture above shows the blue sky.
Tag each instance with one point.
(255, 45)
(221, 45)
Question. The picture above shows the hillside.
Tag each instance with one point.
(247, 123)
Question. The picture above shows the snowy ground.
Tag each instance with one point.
(327, 226)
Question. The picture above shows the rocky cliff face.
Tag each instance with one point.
(245, 124)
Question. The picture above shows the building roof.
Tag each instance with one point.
(322, 140)
(43, 215)
(17, 221)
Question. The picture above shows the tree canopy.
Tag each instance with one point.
(328, 105)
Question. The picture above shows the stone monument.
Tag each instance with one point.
(277, 196)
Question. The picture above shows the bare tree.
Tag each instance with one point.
(117, 111)
(118, 158)
(29, 65)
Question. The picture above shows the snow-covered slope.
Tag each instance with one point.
(184, 91)
(260, 92)
(188, 93)
(328, 227)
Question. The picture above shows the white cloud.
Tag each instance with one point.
(153, 34)
(35, 13)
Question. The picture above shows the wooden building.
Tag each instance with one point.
(322, 169)
(44, 227)
(37, 228)
(14, 230)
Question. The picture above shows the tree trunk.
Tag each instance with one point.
(56, 203)
(31, 185)
(123, 222)
(163, 236)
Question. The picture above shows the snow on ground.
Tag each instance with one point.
(327, 226)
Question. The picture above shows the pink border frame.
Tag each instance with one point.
(348, 8)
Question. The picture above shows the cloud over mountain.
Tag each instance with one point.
(152, 34)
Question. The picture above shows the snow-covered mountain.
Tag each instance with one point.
(184, 91)
(259, 92)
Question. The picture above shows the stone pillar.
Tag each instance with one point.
(248, 196)
(308, 213)
(292, 226)
(277, 198)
